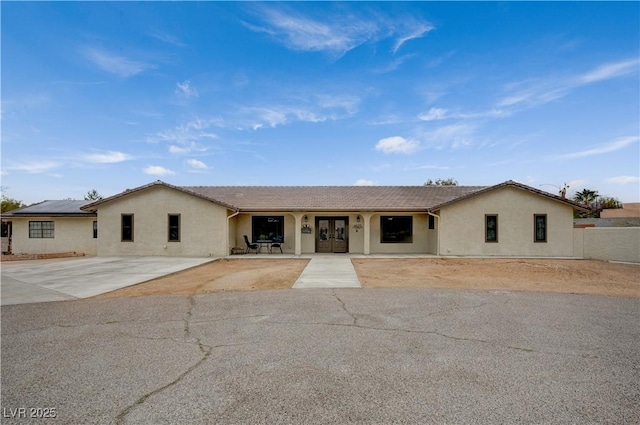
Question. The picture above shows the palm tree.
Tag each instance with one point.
(586, 196)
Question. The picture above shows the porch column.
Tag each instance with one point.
(366, 218)
(298, 232)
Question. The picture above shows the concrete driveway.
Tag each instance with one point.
(73, 278)
(321, 356)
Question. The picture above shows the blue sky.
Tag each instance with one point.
(113, 95)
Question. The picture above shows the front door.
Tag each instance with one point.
(331, 234)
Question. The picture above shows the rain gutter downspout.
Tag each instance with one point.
(438, 230)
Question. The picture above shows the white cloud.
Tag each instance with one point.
(36, 167)
(185, 90)
(364, 182)
(156, 170)
(397, 144)
(450, 136)
(623, 180)
(609, 70)
(194, 163)
(337, 32)
(434, 114)
(612, 146)
(418, 30)
(113, 64)
(544, 90)
(187, 137)
(107, 157)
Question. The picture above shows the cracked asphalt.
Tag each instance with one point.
(321, 356)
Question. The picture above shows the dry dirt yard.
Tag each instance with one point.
(220, 275)
(566, 276)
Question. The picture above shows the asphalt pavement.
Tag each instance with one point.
(320, 356)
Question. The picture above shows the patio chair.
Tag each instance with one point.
(276, 243)
(250, 245)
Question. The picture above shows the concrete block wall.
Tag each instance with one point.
(608, 243)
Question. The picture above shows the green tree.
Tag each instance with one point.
(608, 202)
(442, 182)
(9, 204)
(586, 196)
(92, 195)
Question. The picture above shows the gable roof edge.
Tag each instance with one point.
(92, 206)
(511, 183)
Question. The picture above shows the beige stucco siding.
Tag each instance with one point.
(462, 227)
(610, 243)
(203, 224)
(71, 234)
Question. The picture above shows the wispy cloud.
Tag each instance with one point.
(314, 108)
(608, 71)
(544, 90)
(107, 157)
(434, 114)
(335, 33)
(364, 182)
(397, 144)
(167, 38)
(623, 180)
(156, 170)
(114, 64)
(185, 90)
(612, 146)
(452, 136)
(36, 167)
(417, 30)
(190, 136)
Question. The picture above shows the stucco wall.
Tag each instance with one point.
(71, 234)
(609, 243)
(462, 227)
(203, 225)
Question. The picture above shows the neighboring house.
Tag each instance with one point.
(50, 227)
(508, 219)
(630, 210)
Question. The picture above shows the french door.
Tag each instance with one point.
(332, 234)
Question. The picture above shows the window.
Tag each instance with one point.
(490, 228)
(127, 227)
(396, 229)
(267, 228)
(95, 229)
(41, 229)
(432, 222)
(174, 227)
(540, 228)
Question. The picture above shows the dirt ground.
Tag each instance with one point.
(566, 276)
(220, 275)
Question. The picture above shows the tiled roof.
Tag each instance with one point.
(333, 198)
(51, 208)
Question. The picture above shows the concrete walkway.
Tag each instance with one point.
(82, 277)
(332, 271)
